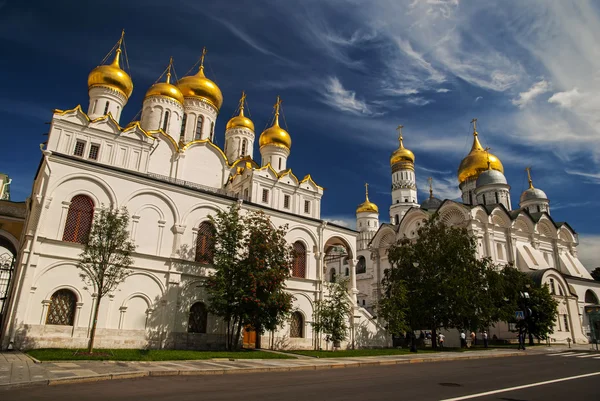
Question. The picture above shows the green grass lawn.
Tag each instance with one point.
(61, 354)
(358, 352)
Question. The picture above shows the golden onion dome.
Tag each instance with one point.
(199, 87)
(476, 161)
(240, 121)
(166, 89)
(111, 76)
(367, 206)
(401, 154)
(275, 135)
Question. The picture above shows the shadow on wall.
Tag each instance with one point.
(364, 338)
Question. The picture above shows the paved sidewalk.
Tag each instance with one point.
(17, 369)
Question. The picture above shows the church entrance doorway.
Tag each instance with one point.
(7, 264)
(249, 338)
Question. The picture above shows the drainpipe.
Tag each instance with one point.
(22, 273)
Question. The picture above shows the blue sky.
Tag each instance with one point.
(348, 71)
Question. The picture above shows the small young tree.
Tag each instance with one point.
(332, 313)
(106, 259)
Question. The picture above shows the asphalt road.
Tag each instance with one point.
(421, 382)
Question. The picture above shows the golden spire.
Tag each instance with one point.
(169, 70)
(400, 138)
(367, 206)
(277, 106)
(116, 61)
(476, 143)
(366, 191)
(430, 181)
(201, 69)
(242, 101)
(528, 169)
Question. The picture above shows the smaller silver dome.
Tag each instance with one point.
(490, 177)
(533, 194)
(431, 203)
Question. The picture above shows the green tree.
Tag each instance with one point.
(596, 274)
(106, 258)
(251, 263)
(333, 312)
(539, 306)
(445, 283)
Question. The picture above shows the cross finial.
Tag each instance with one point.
(430, 181)
(399, 129)
(474, 122)
(242, 100)
(169, 70)
(366, 190)
(122, 37)
(528, 169)
(487, 153)
(277, 106)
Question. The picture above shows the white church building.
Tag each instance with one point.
(169, 173)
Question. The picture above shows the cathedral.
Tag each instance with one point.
(527, 236)
(166, 169)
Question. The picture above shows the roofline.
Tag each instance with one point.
(174, 184)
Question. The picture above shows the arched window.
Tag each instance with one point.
(165, 121)
(280, 163)
(198, 318)
(397, 219)
(332, 275)
(590, 297)
(79, 219)
(297, 325)
(244, 146)
(183, 121)
(212, 131)
(205, 243)
(347, 271)
(106, 108)
(361, 266)
(299, 264)
(199, 123)
(62, 308)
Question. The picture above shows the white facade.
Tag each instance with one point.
(171, 177)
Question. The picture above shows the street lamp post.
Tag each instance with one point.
(413, 344)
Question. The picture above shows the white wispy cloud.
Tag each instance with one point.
(344, 221)
(344, 100)
(442, 90)
(567, 99)
(418, 101)
(587, 251)
(529, 95)
(478, 98)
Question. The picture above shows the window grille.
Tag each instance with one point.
(566, 321)
(106, 108)
(244, 145)
(306, 206)
(183, 121)
(286, 201)
(79, 219)
(199, 123)
(79, 148)
(265, 195)
(297, 325)
(205, 243)
(198, 318)
(165, 121)
(94, 150)
(62, 308)
(299, 263)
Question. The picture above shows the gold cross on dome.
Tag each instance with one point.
(202, 56)
(367, 190)
(528, 169)
(430, 181)
(399, 129)
(474, 122)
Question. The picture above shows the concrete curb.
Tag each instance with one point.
(190, 372)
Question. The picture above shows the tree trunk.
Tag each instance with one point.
(228, 337)
(433, 339)
(94, 324)
(237, 334)
(258, 343)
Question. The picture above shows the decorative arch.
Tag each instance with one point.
(149, 206)
(79, 219)
(591, 298)
(566, 234)
(161, 286)
(61, 311)
(205, 243)
(546, 228)
(452, 216)
(339, 240)
(198, 319)
(10, 239)
(524, 223)
(361, 266)
(108, 191)
(480, 215)
(299, 261)
(189, 212)
(500, 218)
(158, 194)
(307, 231)
(382, 234)
(297, 325)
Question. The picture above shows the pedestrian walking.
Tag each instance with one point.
(463, 340)
(485, 339)
(441, 338)
(473, 338)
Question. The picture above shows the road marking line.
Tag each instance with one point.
(504, 390)
(558, 353)
(579, 353)
(598, 357)
(587, 356)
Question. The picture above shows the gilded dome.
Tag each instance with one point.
(240, 121)
(476, 162)
(199, 87)
(402, 154)
(275, 135)
(165, 89)
(111, 76)
(367, 206)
